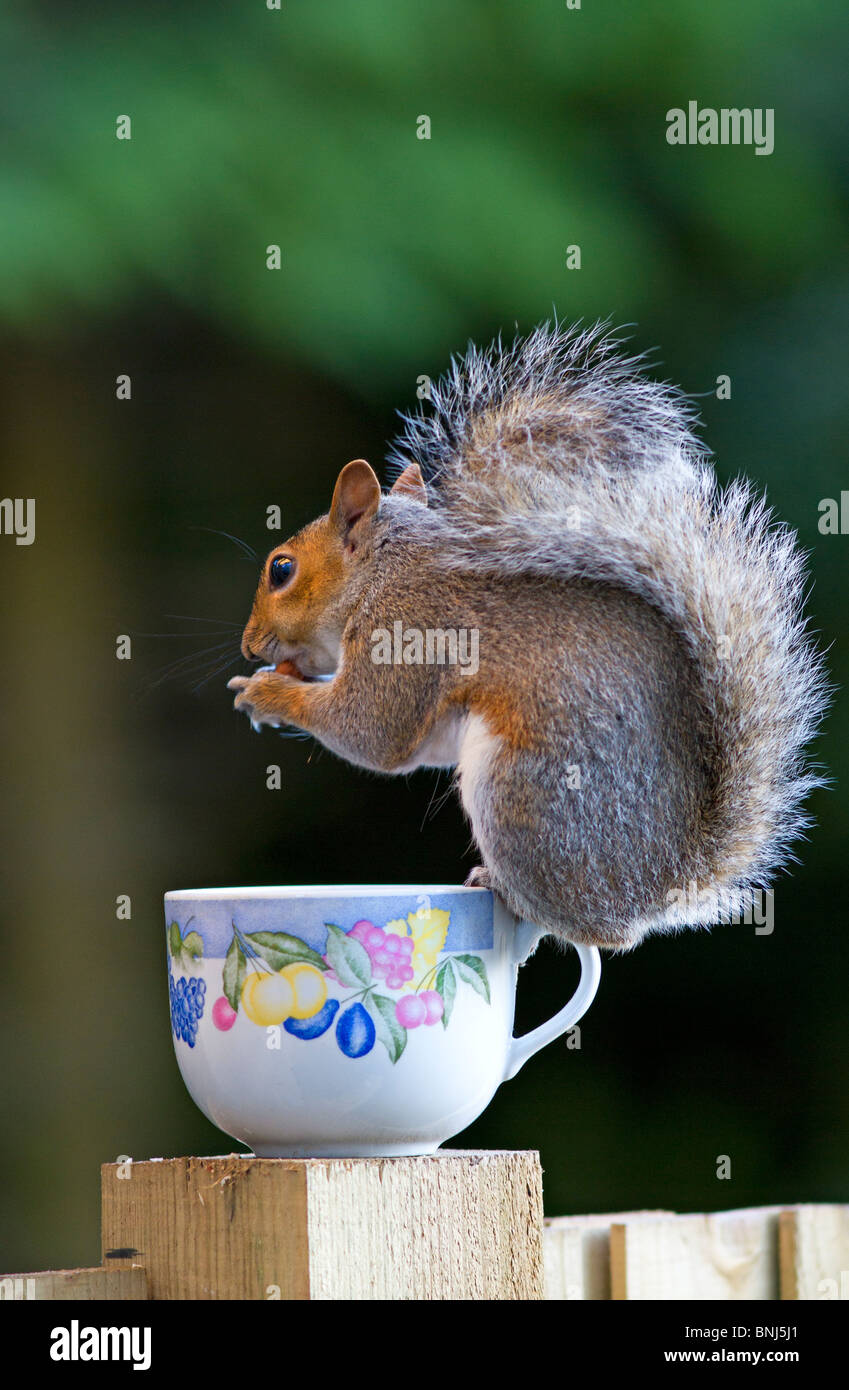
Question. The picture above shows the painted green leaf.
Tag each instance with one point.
(472, 970)
(388, 1029)
(235, 965)
(175, 940)
(349, 959)
(278, 948)
(446, 985)
(193, 947)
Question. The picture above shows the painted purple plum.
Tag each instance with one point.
(315, 1026)
(355, 1031)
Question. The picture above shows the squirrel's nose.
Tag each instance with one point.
(247, 650)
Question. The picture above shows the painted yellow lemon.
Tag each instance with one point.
(309, 989)
(268, 999)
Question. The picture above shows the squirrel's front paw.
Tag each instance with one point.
(261, 697)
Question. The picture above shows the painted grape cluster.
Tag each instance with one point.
(187, 997)
(187, 994)
(275, 978)
(390, 955)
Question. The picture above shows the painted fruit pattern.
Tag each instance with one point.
(396, 980)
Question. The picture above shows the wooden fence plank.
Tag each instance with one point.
(118, 1285)
(577, 1253)
(720, 1255)
(459, 1225)
(814, 1246)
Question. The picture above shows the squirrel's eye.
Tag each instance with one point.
(281, 569)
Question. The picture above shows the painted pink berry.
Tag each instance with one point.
(410, 1011)
(373, 939)
(434, 1007)
(393, 944)
(223, 1016)
(361, 929)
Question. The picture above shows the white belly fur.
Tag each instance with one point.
(460, 740)
(442, 746)
(478, 748)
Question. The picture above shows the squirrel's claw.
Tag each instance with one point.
(255, 699)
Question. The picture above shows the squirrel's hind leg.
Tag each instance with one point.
(543, 853)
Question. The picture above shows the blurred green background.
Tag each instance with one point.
(251, 388)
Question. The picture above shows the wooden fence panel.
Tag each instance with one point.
(814, 1242)
(723, 1255)
(453, 1225)
(62, 1285)
(577, 1254)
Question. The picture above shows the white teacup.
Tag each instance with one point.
(350, 1022)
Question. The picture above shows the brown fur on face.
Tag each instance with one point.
(293, 623)
(303, 620)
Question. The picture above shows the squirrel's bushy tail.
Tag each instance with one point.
(558, 456)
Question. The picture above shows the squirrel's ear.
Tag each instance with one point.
(411, 484)
(356, 497)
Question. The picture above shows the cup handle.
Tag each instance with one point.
(523, 1048)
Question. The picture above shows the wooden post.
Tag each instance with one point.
(452, 1225)
(814, 1246)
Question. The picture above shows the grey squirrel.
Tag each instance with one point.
(645, 685)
